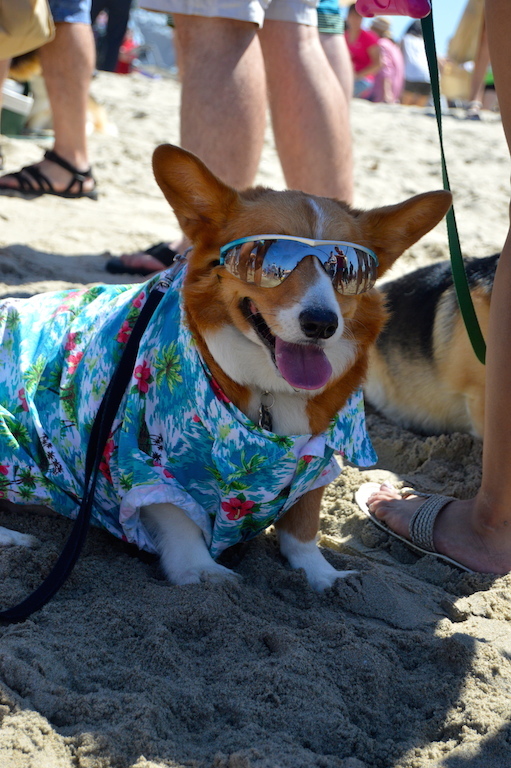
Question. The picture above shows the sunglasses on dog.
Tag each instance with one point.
(266, 261)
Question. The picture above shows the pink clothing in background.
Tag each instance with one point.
(358, 49)
(392, 70)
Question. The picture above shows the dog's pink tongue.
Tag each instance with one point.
(304, 366)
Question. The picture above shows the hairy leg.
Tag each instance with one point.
(67, 62)
(4, 69)
(309, 111)
(339, 58)
(223, 102)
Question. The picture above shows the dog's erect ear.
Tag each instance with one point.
(202, 203)
(393, 229)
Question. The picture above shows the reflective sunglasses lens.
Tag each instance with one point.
(245, 261)
(267, 263)
(356, 271)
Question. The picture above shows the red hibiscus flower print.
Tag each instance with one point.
(167, 473)
(104, 465)
(124, 333)
(237, 507)
(139, 300)
(23, 401)
(73, 361)
(71, 341)
(143, 376)
(4, 469)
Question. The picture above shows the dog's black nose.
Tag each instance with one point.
(317, 323)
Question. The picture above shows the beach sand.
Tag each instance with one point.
(405, 665)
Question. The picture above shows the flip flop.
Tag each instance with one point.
(421, 523)
(160, 251)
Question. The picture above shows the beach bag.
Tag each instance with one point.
(464, 44)
(455, 82)
(24, 26)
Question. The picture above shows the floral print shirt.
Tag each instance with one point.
(176, 437)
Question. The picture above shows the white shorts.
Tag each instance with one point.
(255, 11)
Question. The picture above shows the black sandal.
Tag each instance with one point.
(33, 183)
(160, 251)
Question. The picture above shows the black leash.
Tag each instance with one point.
(99, 435)
(461, 285)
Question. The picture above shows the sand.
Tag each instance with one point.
(405, 665)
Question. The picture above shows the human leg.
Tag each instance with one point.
(309, 111)
(477, 532)
(223, 103)
(118, 17)
(223, 99)
(67, 63)
(480, 66)
(339, 58)
(4, 69)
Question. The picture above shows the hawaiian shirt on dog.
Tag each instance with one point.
(176, 437)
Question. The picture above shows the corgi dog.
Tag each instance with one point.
(423, 373)
(246, 381)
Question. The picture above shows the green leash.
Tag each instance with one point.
(458, 269)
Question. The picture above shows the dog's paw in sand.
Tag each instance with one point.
(10, 538)
(326, 577)
(212, 572)
(306, 555)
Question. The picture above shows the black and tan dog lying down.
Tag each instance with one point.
(423, 373)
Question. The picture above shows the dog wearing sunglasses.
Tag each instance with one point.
(246, 384)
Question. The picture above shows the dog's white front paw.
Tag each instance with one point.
(210, 572)
(321, 578)
(305, 554)
(10, 538)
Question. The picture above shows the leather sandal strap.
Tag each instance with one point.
(423, 520)
(32, 181)
(53, 157)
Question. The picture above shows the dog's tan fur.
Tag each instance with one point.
(220, 215)
(212, 214)
(442, 394)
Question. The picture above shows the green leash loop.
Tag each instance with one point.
(458, 270)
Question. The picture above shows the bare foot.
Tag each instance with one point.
(140, 260)
(460, 531)
(58, 177)
(146, 262)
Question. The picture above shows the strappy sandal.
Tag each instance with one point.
(33, 183)
(422, 522)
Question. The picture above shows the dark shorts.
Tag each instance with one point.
(423, 89)
(71, 11)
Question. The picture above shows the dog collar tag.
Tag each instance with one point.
(265, 419)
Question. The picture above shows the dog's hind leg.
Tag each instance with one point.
(10, 538)
(297, 531)
(184, 556)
